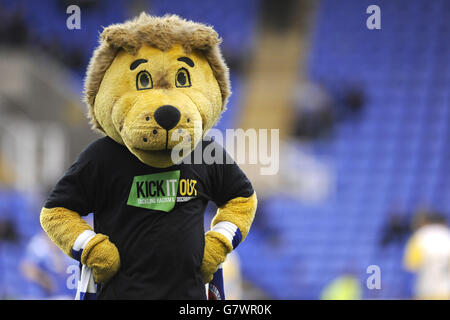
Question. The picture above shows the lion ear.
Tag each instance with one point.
(120, 38)
(201, 38)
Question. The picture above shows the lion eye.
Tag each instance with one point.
(144, 80)
(182, 79)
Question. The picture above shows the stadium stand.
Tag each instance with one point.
(393, 153)
(19, 211)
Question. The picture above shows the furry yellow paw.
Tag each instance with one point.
(103, 257)
(215, 253)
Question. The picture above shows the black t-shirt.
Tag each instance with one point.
(154, 216)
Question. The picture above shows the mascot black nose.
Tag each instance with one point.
(167, 116)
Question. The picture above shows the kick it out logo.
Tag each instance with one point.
(159, 191)
(156, 191)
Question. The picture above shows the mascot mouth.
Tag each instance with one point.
(157, 131)
(145, 140)
(156, 139)
(149, 139)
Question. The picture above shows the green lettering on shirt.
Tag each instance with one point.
(156, 191)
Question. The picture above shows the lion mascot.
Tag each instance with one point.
(153, 84)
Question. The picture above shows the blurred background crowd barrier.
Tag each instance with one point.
(360, 206)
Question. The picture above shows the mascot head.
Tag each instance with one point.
(155, 83)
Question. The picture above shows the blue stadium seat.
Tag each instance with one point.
(392, 154)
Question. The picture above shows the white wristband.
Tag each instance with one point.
(81, 242)
(230, 231)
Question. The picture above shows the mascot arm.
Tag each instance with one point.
(230, 226)
(76, 238)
